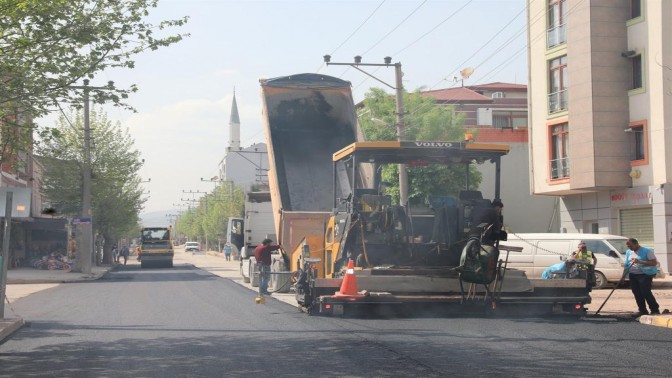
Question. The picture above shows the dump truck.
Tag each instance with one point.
(306, 118)
(335, 217)
(258, 224)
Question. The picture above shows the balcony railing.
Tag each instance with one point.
(557, 101)
(560, 168)
(556, 35)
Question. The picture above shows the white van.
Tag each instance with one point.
(543, 250)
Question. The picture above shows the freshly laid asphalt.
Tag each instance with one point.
(25, 281)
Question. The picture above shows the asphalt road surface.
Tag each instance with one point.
(186, 322)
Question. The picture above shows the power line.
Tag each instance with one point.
(516, 34)
(535, 19)
(395, 28)
(418, 39)
(434, 28)
(499, 67)
(354, 32)
(490, 40)
(66, 117)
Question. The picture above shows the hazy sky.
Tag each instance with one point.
(184, 101)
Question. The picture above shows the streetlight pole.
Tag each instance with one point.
(399, 91)
(85, 252)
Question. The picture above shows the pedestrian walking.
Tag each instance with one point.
(227, 251)
(124, 253)
(115, 254)
(642, 264)
(263, 256)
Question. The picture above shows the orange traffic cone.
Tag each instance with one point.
(349, 284)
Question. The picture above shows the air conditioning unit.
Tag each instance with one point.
(497, 95)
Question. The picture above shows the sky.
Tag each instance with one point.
(185, 91)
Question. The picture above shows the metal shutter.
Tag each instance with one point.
(638, 224)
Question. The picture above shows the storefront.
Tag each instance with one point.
(33, 238)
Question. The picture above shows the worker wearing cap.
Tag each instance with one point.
(263, 256)
(492, 216)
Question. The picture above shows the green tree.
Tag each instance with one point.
(210, 217)
(117, 197)
(48, 46)
(426, 121)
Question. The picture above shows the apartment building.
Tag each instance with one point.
(600, 111)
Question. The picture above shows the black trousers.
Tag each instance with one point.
(640, 284)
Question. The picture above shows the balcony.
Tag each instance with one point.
(557, 101)
(559, 168)
(556, 35)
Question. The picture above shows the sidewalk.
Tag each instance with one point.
(37, 276)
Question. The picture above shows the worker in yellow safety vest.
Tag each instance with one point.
(582, 253)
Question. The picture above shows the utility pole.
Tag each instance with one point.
(85, 224)
(218, 182)
(399, 91)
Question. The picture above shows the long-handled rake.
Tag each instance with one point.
(625, 273)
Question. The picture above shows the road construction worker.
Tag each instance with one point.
(585, 270)
(642, 265)
(263, 256)
(492, 217)
(582, 253)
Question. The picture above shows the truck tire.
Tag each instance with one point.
(279, 283)
(600, 280)
(254, 278)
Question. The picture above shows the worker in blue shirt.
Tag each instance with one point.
(642, 264)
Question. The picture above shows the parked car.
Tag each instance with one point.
(192, 247)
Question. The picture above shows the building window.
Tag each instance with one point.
(635, 8)
(637, 74)
(638, 141)
(509, 119)
(558, 84)
(557, 31)
(559, 151)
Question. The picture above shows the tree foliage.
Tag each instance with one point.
(210, 215)
(117, 197)
(48, 46)
(425, 120)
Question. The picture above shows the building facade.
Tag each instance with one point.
(33, 234)
(498, 114)
(603, 144)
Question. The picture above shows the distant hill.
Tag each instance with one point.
(155, 218)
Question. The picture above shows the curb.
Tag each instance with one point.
(76, 277)
(657, 320)
(8, 326)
